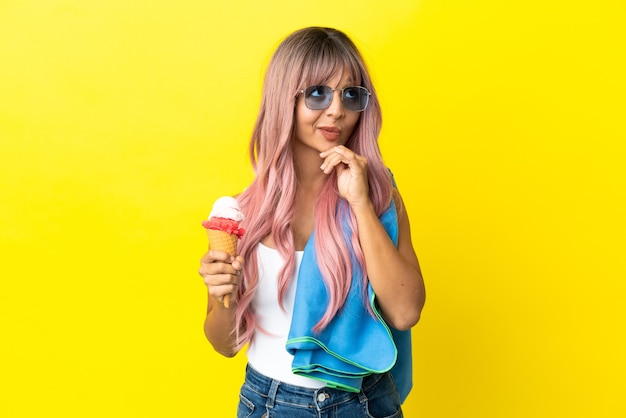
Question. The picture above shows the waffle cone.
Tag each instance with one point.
(220, 240)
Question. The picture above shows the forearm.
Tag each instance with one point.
(394, 273)
(218, 328)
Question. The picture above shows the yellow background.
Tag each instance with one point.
(504, 126)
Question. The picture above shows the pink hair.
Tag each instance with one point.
(306, 57)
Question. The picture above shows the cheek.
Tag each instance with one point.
(305, 117)
(352, 121)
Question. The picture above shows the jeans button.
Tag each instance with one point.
(322, 397)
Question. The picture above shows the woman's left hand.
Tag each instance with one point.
(351, 173)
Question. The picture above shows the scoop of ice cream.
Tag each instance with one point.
(228, 208)
(225, 216)
(225, 225)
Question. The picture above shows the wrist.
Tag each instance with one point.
(363, 208)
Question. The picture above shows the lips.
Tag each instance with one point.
(331, 133)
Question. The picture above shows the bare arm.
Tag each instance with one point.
(221, 274)
(394, 273)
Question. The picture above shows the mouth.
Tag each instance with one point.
(331, 133)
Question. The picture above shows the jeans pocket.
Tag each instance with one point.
(383, 410)
(245, 409)
(383, 400)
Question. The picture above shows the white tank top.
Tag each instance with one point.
(267, 353)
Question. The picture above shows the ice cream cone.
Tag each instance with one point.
(222, 241)
(223, 228)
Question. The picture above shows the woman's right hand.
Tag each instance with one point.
(221, 273)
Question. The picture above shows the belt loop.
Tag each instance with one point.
(271, 395)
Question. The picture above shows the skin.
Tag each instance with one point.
(394, 273)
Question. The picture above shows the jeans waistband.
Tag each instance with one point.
(315, 398)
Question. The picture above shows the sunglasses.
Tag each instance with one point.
(319, 97)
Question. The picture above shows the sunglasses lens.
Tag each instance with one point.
(355, 98)
(318, 97)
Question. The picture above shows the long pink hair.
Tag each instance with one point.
(306, 57)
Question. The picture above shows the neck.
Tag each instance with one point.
(310, 177)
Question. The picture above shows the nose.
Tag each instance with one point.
(336, 108)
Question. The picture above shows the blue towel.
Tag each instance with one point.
(355, 344)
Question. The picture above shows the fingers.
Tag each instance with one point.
(221, 273)
(351, 169)
(341, 155)
(223, 293)
(238, 263)
(220, 286)
(216, 255)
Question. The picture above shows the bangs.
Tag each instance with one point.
(323, 64)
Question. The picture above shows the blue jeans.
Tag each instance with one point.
(263, 397)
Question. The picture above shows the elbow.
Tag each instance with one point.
(228, 352)
(405, 322)
(406, 318)
(222, 346)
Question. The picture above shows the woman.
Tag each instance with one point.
(320, 193)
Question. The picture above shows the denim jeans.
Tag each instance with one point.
(263, 397)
